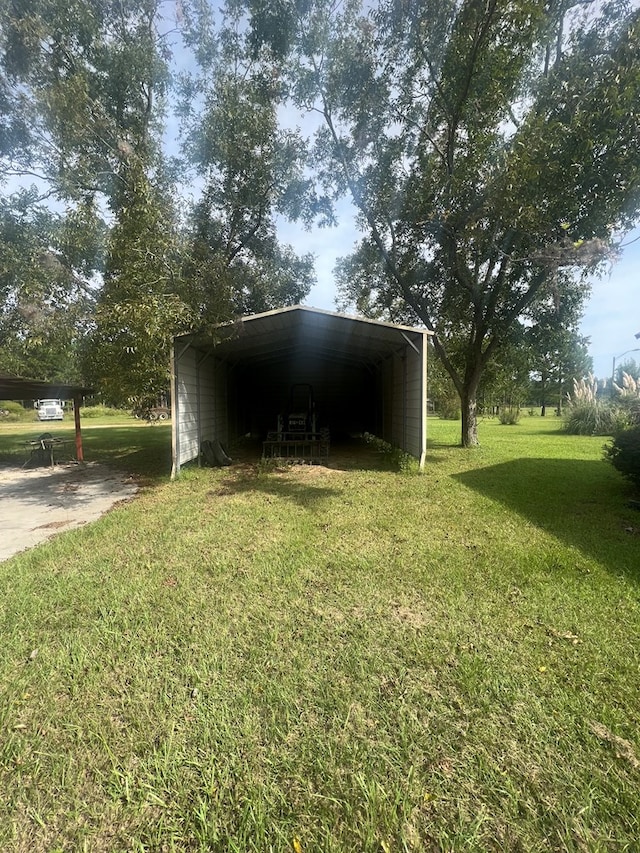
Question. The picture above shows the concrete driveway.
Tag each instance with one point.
(37, 503)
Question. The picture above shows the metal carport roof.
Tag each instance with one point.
(287, 332)
(19, 388)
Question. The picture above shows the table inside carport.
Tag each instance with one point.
(43, 450)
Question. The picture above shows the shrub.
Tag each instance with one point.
(631, 408)
(624, 453)
(101, 412)
(587, 414)
(449, 409)
(12, 412)
(392, 457)
(509, 415)
(628, 398)
(594, 419)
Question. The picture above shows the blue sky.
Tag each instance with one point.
(612, 318)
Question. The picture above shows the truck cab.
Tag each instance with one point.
(49, 410)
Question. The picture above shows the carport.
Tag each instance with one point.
(18, 388)
(367, 376)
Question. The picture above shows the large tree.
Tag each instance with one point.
(253, 173)
(139, 307)
(84, 89)
(488, 146)
(45, 301)
(82, 84)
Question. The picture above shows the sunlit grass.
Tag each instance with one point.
(141, 448)
(350, 658)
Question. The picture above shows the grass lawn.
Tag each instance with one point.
(344, 659)
(134, 445)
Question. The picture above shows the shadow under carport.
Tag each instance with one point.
(346, 453)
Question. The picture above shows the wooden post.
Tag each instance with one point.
(77, 402)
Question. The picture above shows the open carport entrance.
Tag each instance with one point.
(366, 376)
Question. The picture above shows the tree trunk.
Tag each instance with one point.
(560, 395)
(469, 406)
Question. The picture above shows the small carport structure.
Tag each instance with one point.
(19, 388)
(367, 376)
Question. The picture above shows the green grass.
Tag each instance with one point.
(331, 660)
(138, 447)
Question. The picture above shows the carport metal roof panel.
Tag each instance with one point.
(19, 388)
(299, 330)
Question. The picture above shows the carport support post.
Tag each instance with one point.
(424, 391)
(77, 402)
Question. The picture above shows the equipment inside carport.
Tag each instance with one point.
(297, 437)
(365, 376)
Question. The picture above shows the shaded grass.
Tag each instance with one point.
(347, 659)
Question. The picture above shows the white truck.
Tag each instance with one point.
(49, 410)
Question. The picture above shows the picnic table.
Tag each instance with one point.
(43, 450)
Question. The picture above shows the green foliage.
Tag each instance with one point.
(593, 418)
(631, 408)
(441, 390)
(629, 366)
(588, 414)
(627, 398)
(624, 453)
(12, 412)
(506, 379)
(254, 172)
(100, 411)
(558, 354)
(45, 300)
(139, 310)
(84, 83)
(84, 86)
(85, 79)
(390, 457)
(509, 415)
(449, 408)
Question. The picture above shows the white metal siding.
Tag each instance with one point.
(185, 406)
(413, 398)
(200, 403)
(404, 399)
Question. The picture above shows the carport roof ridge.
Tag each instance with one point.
(326, 313)
(313, 331)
